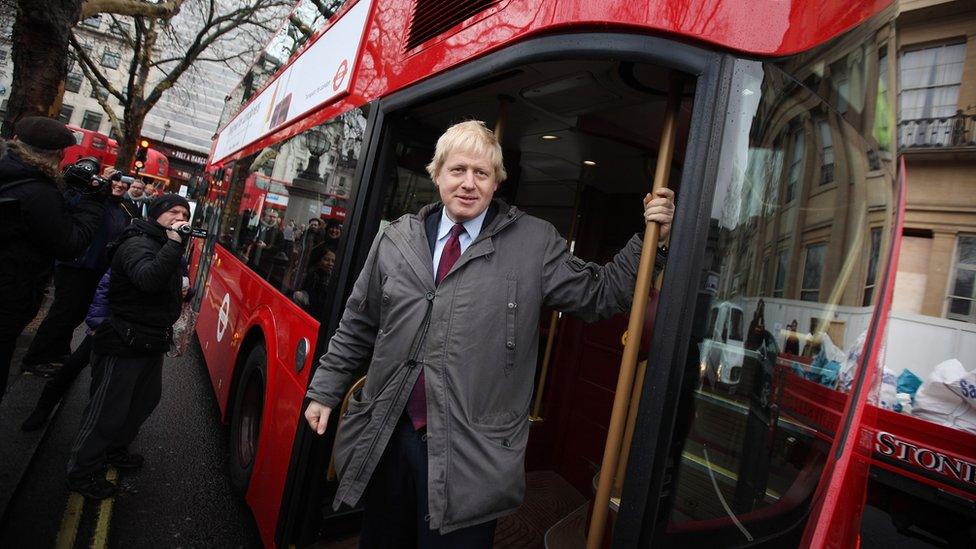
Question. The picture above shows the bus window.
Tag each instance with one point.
(760, 420)
(307, 18)
(287, 209)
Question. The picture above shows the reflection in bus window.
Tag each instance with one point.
(800, 221)
(288, 205)
(303, 23)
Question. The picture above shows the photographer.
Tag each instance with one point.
(144, 300)
(41, 229)
(74, 285)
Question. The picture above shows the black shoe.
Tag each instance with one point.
(93, 487)
(45, 369)
(125, 460)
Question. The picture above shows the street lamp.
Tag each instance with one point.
(165, 130)
(317, 143)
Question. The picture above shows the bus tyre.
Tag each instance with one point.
(245, 420)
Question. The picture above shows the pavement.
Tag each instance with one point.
(180, 498)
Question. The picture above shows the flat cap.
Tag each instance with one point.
(43, 133)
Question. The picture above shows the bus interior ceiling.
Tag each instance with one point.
(609, 113)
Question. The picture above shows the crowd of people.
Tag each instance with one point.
(113, 247)
(297, 259)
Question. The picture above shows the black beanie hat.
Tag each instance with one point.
(44, 133)
(162, 204)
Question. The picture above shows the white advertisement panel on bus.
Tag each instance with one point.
(322, 73)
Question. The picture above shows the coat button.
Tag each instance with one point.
(386, 298)
(512, 305)
(429, 296)
(426, 518)
(506, 443)
(510, 345)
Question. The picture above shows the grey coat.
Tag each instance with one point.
(476, 335)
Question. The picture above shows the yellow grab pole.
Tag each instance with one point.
(628, 363)
(534, 417)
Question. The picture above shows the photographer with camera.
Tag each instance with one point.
(144, 300)
(74, 285)
(38, 227)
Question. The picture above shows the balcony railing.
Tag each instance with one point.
(948, 131)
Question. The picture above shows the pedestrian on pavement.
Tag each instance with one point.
(39, 227)
(446, 312)
(55, 389)
(74, 286)
(144, 299)
(136, 199)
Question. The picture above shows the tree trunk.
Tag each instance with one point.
(131, 133)
(40, 56)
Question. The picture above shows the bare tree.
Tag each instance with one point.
(41, 34)
(164, 49)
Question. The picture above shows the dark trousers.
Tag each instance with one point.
(73, 293)
(124, 393)
(16, 312)
(57, 386)
(395, 502)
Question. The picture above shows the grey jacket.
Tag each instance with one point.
(476, 335)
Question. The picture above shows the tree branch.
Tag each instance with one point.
(91, 71)
(134, 8)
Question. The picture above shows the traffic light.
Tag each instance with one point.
(142, 152)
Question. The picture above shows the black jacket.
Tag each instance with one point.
(115, 219)
(145, 287)
(46, 230)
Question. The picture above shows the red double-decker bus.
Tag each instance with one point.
(788, 221)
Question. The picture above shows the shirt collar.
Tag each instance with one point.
(472, 226)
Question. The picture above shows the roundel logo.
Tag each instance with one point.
(223, 316)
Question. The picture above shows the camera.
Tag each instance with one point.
(82, 176)
(192, 231)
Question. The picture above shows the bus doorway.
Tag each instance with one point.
(580, 141)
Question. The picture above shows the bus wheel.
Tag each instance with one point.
(245, 423)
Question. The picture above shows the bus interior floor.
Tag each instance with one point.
(549, 500)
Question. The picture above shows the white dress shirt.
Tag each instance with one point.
(472, 228)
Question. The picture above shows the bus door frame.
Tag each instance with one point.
(308, 450)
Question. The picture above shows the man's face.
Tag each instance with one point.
(315, 224)
(466, 183)
(172, 215)
(119, 188)
(137, 189)
(270, 217)
(150, 189)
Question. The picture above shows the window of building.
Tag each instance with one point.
(871, 280)
(114, 134)
(94, 21)
(782, 264)
(65, 115)
(813, 272)
(826, 154)
(962, 299)
(72, 82)
(930, 80)
(796, 166)
(3, 57)
(91, 121)
(99, 91)
(111, 59)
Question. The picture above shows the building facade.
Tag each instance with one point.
(937, 121)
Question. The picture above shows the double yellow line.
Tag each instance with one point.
(72, 519)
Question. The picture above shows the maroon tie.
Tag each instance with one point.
(417, 404)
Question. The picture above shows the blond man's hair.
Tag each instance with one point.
(471, 136)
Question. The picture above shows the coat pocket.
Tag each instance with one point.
(511, 322)
(352, 424)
